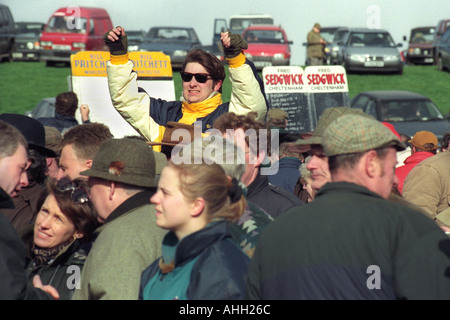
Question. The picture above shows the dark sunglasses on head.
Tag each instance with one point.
(199, 77)
(78, 195)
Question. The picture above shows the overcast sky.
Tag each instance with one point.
(295, 16)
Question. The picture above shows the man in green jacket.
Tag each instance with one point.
(350, 242)
(316, 44)
(123, 177)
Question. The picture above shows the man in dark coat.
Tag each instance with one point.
(249, 134)
(13, 166)
(351, 242)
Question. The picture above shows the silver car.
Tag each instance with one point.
(370, 50)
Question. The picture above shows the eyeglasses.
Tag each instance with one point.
(78, 195)
(199, 77)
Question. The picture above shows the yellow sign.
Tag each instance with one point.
(146, 64)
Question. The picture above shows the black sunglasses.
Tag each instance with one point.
(199, 77)
(78, 195)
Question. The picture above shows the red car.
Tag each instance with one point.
(73, 29)
(268, 45)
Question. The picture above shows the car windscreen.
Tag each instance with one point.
(66, 24)
(34, 28)
(264, 36)
(370, 39)
(239, 24)
(168, 33)
(409, 110)
(422, 35)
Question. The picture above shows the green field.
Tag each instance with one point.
(24, 84)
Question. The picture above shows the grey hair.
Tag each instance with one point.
(219, 150)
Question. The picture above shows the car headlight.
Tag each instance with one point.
(357, 57)
(79, 45)
(413, 51)
(133, 48)
(47, 44)
(392, 58)
(30, 45)
(179, 53)
(278, 56)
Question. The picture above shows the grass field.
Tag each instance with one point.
(24, 84)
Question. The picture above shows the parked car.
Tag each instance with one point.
(175, 42)
(407, 111)
(442, 26)
(334, 46)
(73, 29)
(7, 33)
(27, 40)
(268, 45)
(44, 109)
(370, 50)
(420, 48)
(135, 38)
(443, 52)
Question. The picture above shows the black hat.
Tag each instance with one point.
(31, 129)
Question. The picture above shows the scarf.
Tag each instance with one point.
(47, 255)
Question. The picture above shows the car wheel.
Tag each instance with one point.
(440, 64)
(400, 70)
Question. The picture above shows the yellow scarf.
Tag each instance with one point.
(193, 111)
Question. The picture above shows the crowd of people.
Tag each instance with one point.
(89, 216)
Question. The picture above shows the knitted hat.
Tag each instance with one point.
(425, 140)
(52, 139)
(127, 160)
(277, 114)
(328, 116)
(352, 133)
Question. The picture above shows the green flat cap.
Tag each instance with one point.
(129, 161)
(353, 133)
(328, 116)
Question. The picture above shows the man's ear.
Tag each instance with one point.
(372, 163)
(197, 207)
(217, 85)
(112, 189)
(89, 163)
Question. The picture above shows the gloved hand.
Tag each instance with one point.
(237, 44)
(118, 47)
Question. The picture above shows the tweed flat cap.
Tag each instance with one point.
(277, 114)
(328, 116)
(354, 133)
(129, 161)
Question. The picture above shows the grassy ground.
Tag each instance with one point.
(24, 84)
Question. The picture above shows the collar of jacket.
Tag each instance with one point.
(192, 245)
(135, 201)
(192, 111)
(345, 187)
(418, 157)
(66, 118)
(258, 184)
(5, 200)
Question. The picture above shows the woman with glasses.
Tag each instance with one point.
(199, 259)
(60, 238)
(202, 75)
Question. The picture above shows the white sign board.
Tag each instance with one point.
(89, 82)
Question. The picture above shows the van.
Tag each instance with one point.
(7, 33)
(73, 29)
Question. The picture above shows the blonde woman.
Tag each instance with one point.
(199, 259)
